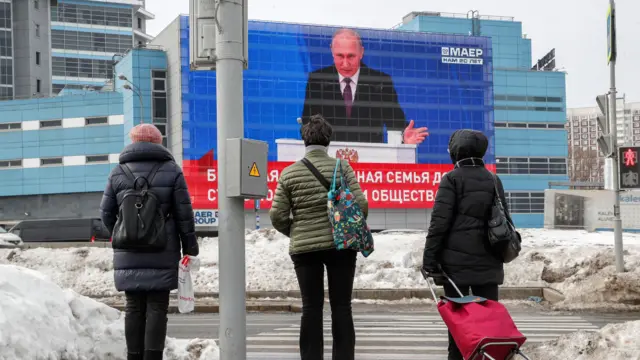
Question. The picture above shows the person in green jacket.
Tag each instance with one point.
(299, 211)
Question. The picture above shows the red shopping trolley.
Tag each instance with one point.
(483, 329)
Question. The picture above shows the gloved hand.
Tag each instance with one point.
(434, 272)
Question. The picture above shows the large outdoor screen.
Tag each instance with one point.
(392, 97)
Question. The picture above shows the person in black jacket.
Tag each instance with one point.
(458, 241)
(147, 278)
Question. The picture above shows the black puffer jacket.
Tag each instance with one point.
(135, 271)
(458, 232)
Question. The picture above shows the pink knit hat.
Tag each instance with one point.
(146, 133)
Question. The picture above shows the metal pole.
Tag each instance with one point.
(141, 105)
(137, 91)
(141, 108)
(230, 122)
(613, 125)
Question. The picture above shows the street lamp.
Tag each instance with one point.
(131, 87)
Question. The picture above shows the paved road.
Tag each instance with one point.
(381, 335)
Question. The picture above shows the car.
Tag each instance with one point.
(61, 230)
(9, 240)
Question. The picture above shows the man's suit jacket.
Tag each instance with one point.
(375, 105)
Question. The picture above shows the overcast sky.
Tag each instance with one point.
(576, 28)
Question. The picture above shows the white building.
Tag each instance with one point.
(585, 161)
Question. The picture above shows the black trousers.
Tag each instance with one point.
(486, 291)
(341, 267)
(145, 322)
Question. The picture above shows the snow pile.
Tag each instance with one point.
(613, 342)
(577, 263)
(68, 326)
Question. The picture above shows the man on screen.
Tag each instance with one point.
(358, 101)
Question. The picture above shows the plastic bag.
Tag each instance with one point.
(186, 295)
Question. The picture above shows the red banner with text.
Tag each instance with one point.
(399, 186)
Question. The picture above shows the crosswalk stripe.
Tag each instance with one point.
(360, 356)
(381, 336)
(367, 336)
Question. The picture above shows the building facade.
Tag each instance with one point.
(530, 110)
(56, 152)
(47, 45)
(527, 117)
(586, 162)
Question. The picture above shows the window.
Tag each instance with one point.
(93, 159)
(97, 120)
(159, 102)
(90, 41)
(517, 125)
(88, 68)
(10, 126)
(51, 161)
(4, 164)
(92, 15)
(159, 85)
(38, 86)
(50, 123)
(37, 57)
(531, 165)
(36, 4)
(37, 30)
(525, 202)
(139, 23)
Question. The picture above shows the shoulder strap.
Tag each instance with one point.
(152, 174)
(316, 173)
(495, 186)
(127, 172)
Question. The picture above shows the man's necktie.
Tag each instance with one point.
(348, 96)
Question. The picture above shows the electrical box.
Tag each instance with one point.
(246, 162)
(202, 34)
(203, 30)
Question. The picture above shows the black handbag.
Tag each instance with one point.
(503, 236)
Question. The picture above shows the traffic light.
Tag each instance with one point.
(629, 167)
(605, 141)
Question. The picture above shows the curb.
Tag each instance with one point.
(264, 306)
(506, 293)
(215, 308)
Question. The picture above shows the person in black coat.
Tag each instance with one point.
(147, 278)
(358, 101)
(458, 240)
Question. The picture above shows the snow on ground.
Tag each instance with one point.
(577, 263)
(613, 342)
(68, 326)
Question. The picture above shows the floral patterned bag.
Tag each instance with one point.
(350, 229)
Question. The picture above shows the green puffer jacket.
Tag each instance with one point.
(299, 208)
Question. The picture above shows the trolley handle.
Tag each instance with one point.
(432, 283)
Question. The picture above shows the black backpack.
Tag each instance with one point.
(140, 224)
(503, 236)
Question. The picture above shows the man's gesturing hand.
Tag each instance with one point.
(413, 135)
